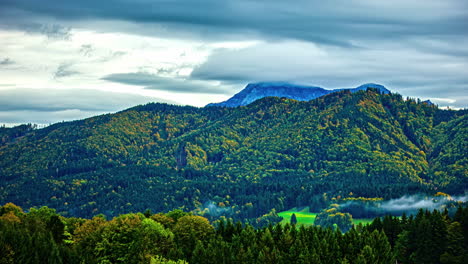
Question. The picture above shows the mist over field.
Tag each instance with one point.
(210, 208)
(408, 204)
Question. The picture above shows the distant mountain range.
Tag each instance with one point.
(255, 91)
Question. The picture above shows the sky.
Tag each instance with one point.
(66, 60)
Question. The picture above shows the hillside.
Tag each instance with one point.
(274, 153)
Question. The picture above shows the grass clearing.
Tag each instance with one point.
(305, 217)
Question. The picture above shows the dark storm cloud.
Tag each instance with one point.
(155, 82)
(336, 22)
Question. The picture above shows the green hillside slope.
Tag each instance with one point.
(274, 153)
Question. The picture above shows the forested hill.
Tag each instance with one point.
(274, 153)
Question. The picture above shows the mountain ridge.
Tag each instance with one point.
(258, 90)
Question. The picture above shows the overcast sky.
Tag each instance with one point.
(66, 60)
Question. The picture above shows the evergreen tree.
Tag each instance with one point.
(293, 219)
(455, 252)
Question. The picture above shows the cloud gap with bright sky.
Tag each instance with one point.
(66, 60)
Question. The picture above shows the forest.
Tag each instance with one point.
(274, 154)
(40, 235)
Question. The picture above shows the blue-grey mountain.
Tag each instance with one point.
(255, 91)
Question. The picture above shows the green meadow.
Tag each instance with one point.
(305, 217)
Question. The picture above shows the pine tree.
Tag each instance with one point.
(293, 219)
(381, 247)
(423, 253)
(455, 252)
(198, 254)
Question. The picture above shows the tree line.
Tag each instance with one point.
(43, 236)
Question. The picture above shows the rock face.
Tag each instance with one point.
(255, 91)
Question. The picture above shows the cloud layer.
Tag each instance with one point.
(408, 204)
(203, 51)
(404, 70)
(45, 106)
(155, 82)
(337, 22)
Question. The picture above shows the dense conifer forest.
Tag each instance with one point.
(43, 236)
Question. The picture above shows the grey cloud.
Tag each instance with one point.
(448, 46)
(52, 31)
(6, 62)
(117, 54)
(46, 106)
(416, 48)
(56, 31)
(402, 70)
(63, 70)
(14, 118)
(14, 18)
(86, 50)
(112, 55)
(165, 70)
(338, 22)
(51, 100)
(155, 82)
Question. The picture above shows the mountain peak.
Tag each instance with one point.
(269, 85)
(428, 102)
(258, 90)
(365, 86)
